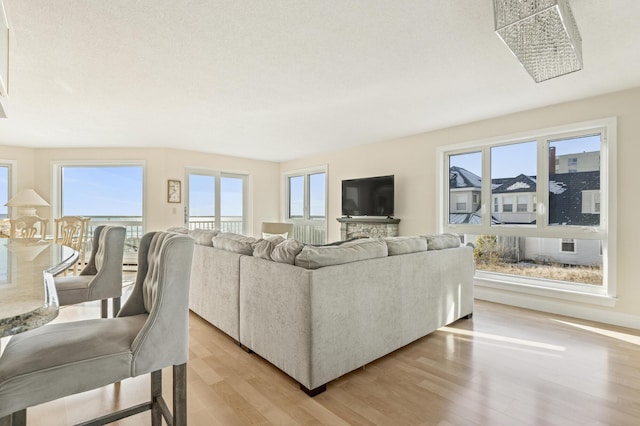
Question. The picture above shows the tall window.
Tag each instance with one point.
(217, 201)
(306, 205)
(547, 197)
(5, 181)
(107, 192)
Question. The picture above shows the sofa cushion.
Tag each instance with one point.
(286, 251)
(442, 241)
(234, 242)
(404, 245)
(203, 237)
(263, 247)
(314, 257)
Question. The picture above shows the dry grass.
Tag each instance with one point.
(574, 274)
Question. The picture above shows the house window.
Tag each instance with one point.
(591, 202)
(523, 203)
(573, 207)
(306, 204)
(572, 164)
(217, 200)
(507, 204)
(464, 177)
(568, 245)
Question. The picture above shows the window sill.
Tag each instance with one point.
(552, 293)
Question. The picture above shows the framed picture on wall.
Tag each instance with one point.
(174, 191)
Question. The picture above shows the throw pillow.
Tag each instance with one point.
(263, 247)
(404, 245)
(286, 251)
(442, 241)
(234, 242)
(203, 237)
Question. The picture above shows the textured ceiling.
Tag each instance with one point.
(278, 80)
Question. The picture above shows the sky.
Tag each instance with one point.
(512, 160)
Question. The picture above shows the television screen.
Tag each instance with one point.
(368, 196)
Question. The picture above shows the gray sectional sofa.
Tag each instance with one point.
(317, 313)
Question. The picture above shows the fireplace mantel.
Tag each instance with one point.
(352, 227)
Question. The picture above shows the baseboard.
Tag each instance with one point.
(557, 307)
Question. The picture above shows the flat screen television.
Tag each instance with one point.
(371, 196)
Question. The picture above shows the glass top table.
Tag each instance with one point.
(28, 296)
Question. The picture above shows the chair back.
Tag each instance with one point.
(279, 228)
(71, 231)
(107, 249)
(162, 291)
(28, 227)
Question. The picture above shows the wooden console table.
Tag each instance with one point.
(367, 227)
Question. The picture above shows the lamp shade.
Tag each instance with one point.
(27, 198)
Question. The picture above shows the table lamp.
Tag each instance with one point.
(27, 201)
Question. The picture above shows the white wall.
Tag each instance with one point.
(413, 162)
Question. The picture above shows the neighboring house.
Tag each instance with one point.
(577, 162)
(574, 199)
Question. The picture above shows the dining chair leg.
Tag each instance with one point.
(180, 395)
(104, 308)
(156, 396)
(115, 305)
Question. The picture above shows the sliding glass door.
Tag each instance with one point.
(216, 201)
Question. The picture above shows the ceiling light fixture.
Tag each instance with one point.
(542, 34)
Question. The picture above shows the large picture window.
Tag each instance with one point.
(545, 199)
(109, 192)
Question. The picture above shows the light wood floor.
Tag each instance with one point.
(506, 366)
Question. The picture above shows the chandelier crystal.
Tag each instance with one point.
(542, 34)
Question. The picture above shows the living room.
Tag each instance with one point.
(414, 158)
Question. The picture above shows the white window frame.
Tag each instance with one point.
(605, 232)
(56, 180)
(12, 186)
(307, 219)
(591, 201)
(573, 241)
(217, 174)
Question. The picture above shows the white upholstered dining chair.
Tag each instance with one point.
(151, 332)
(101, 279)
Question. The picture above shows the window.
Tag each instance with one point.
(107, 192)
(461, 203)
(507, 204)
(216, 200)
(102, 192)
(522, 203)
(568, 245)
(549, 192)
(306, 205)
(591, 202)
(5, 189)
